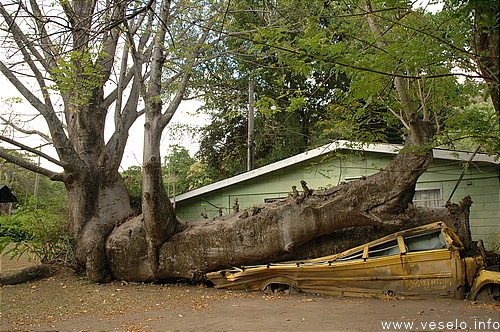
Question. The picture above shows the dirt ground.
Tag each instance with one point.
(67, 302)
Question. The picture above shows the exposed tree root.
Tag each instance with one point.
(28, 274)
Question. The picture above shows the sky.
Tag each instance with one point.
(186, 114)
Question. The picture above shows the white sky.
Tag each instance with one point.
(134, 148)
(184, 115)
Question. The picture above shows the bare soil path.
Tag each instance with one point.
(67, 302)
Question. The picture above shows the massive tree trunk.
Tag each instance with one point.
(159, 218)
(98, 198)
(98, 202)
(77, 61)
(160, 221)
(456, 216)
(276, 231)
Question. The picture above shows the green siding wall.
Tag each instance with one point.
(480, 181)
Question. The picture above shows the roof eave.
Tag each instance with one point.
(337, 145)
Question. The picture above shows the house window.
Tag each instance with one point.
(428, 197)
(271, 200)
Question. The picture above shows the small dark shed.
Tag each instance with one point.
(6, 195)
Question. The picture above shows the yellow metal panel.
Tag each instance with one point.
(430, 273)
(484, 278)
(365, 252)
(401, 244)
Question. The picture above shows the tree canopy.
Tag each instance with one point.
(356, 70)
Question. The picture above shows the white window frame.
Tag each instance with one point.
(435, 200)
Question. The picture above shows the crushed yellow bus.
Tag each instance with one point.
(422, 262)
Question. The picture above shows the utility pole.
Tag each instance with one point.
(251, 142)
(37, 185)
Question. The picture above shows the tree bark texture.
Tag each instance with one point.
(97, 204)
(281, 229)
(159, 218)
(456, 216)
(28, 274)
(98, 197)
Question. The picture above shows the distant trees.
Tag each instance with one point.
(39, 220)
(180, 173)
(290, 103)
(355, 70)
(30, 188)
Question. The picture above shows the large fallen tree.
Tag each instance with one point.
(287, 228)
(162, 247)
(110, 244)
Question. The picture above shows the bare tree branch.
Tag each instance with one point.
(179, 96)
(24, 131)
(46, 44)
(32, 150)
(59, 137)
(25, 92)
(54, 176)
(399, 83)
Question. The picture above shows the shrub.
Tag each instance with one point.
(13, 229)
(39, 231)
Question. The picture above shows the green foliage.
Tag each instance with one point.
(176, 169)
(223, 147)
(37, 225)
(323, 73)
(476, 124)
(292, 90)
(78, 75)
(180, 173)
(39, 231)
(133, 180)
(13, 229)
(197, 175)
(22, 182)
(334, 67)
(361, 121)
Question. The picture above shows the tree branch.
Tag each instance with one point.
(25, 92)
(24, 131)
(54, 176)
(338, 63)
(402, 90)
(172, 107)
(46, 43)
(106, 58)
(32, 150)
(61, 142)
(23, 43)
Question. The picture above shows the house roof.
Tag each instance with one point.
(6, 195)
(325, 149)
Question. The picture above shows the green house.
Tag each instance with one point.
(331, 164)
